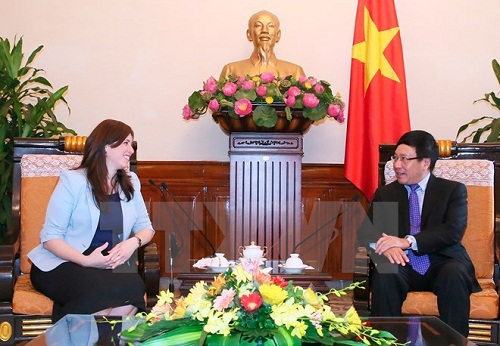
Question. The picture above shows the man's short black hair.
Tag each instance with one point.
(424, 143)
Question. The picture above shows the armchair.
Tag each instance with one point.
(24, 312)
(478, 167)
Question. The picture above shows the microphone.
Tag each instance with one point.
(165, 188)
(153, 183)
(174, 250)
(317, 230)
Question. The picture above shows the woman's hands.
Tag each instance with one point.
(122, 252)
(115, 257)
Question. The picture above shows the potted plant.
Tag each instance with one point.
(491, 126)
(26, 110)
(263, 101)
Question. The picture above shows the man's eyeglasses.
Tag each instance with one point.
(403, 159)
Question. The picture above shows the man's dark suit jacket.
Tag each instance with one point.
(443, 220)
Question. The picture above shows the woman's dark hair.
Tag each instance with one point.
(424, 143)
(113, 133)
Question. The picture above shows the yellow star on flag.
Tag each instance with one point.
(371, 51)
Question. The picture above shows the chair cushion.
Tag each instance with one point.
(39, 176)
(28, 301)
(483, 305)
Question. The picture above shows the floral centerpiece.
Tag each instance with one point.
(256, 96)
(245, 306)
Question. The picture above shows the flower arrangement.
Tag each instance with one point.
(245, 306)
(239, 95)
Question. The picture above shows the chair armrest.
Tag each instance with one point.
(8, 255)
(149, 269)
(362, 268)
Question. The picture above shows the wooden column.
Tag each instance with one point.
(265, 192)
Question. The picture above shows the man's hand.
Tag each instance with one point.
(393, 248)
(388, 241)
(396, 255)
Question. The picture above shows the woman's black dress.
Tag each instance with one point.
(83, 290)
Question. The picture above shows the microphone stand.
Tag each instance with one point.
(354, 199)
(165, 188)
(173, 244)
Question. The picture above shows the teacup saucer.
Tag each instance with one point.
(217, 269)
(294, 270)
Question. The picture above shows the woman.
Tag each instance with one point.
(96, 220)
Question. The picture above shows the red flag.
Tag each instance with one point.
(378, 105)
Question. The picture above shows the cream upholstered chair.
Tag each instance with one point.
(479, 176)
(25, 312)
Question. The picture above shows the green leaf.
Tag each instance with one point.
(494, 135)
(496, 69)
(196, 103)
(265, 116)
(317, 113)
(283, 338)
(250, 95)
(221, 340)
(33, 55)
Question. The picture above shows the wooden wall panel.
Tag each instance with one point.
(331, 210)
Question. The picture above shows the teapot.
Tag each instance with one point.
(253, 251)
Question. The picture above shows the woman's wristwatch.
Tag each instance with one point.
(139, 241)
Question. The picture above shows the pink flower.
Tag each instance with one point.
(250, 265)
(290, 101)
(241, 79)
(229, 89)
(334, 110)
(267, 77)
(242, 107)
(310, 100)
(210, 85)
(294, 91)
(187, 113)
(213, 104)
(302, 79)
(247, 85)
(319, 88)
(340, 118)
(261, 90)
(224, 299)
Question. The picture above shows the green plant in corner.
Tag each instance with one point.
(492, 126)
(27, 105)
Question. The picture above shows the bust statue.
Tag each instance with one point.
(264, 32)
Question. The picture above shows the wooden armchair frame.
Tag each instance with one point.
(482, 331)
(15, 327)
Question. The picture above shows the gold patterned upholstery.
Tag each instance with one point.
(39, 176)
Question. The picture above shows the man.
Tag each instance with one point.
(417, 236)
(264, 31)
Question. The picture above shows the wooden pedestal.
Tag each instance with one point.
(265, 192)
